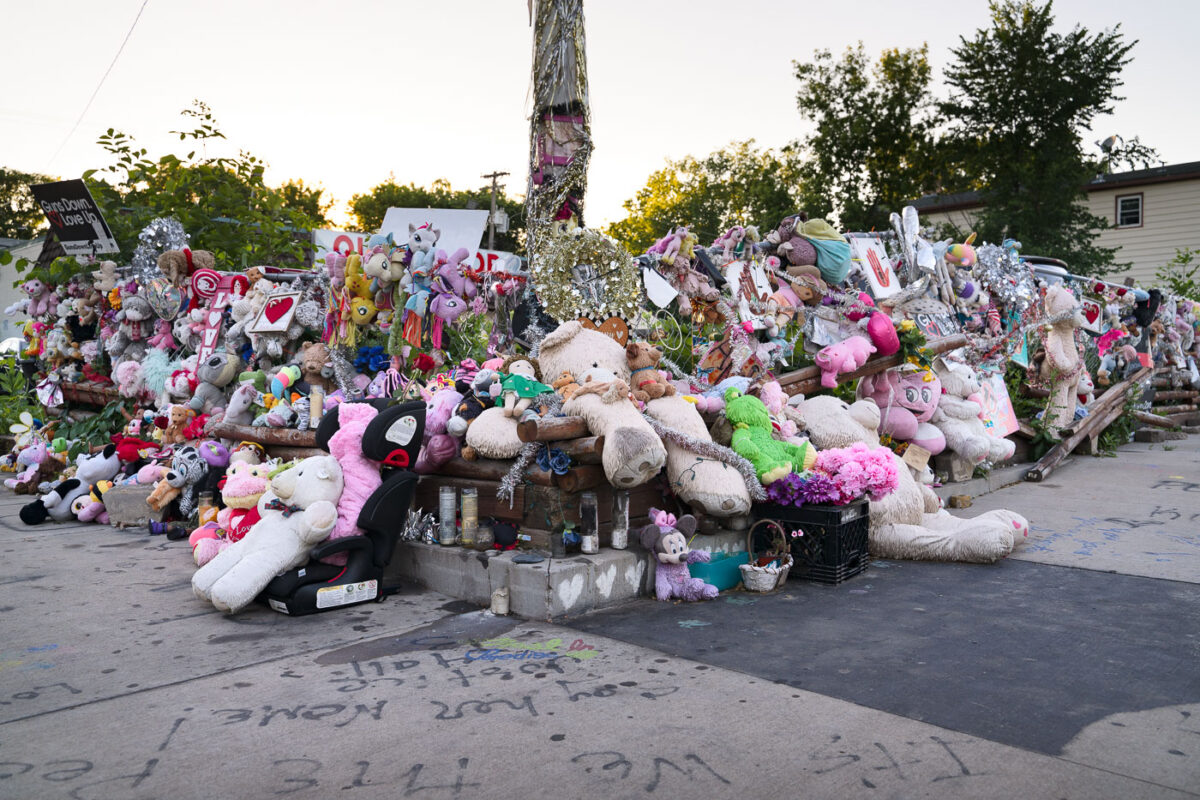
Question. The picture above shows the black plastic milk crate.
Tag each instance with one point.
(834, 545)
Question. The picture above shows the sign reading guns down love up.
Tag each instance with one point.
(74, 217)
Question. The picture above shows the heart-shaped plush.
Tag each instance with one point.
(613, 327)
(277, 307)
(1091, 312)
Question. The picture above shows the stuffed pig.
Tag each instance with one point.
(845, 356)
(298, 512)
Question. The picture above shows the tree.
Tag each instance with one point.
(1022, 95)
(738, 185)
(223, 203)
(20, 215)
(370, 208)
(873, 149)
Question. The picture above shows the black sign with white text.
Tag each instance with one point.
(74, 217)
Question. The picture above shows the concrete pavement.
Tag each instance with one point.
(1046, 675)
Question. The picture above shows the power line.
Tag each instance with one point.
(103, 77)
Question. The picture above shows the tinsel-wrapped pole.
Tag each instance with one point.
(560, 142)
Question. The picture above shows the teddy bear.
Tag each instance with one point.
(182, 480)
(217, 372)
(909, 523)
(958, 416)
(438, 446)
(477, 398)
(315, 367)
(90, 507)
(1062, 363)
(133, 329)
(360, 475)
(633, 453)
(566, 385)
(178, 417)
(752, 439)
(178, 265)
(908, 399)
(245, 483)
(298, 511)
(790, 245)
(667, 539)
(643, 360)
(56, 504)
(844, 356)
(31, 458)
(105, 278)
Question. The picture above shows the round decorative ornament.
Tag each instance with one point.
(205, 282)
(580, 273)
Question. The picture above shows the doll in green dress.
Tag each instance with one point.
(520, 384)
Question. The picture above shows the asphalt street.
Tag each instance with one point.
(1069, 670)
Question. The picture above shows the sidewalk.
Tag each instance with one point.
(1068, 670)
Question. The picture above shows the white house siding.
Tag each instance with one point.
(1170, 220)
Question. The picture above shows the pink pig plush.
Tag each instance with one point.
(845, 356)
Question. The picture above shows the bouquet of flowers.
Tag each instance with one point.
(838, 477)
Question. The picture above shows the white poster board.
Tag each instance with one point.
(869, 253)
(460, 227)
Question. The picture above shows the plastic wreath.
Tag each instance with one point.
(583, 273)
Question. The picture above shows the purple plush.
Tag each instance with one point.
(668, 540)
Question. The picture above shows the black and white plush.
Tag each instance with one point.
(56, 504)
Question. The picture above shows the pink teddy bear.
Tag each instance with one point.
(845, 356)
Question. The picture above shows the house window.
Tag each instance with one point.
(1129, 211)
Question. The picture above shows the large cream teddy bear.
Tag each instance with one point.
(957, 416)
(1063, 363)
(633, 452)
(909, 522)
(297, 512)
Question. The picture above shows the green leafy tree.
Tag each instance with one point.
(1022, 96)
(369, 208)
(873, 148)
(1181, 275)
(20, 215)
(737, 185)
(223, 203)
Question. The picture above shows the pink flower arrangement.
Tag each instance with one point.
(857, 470)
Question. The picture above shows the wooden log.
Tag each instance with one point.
(282, 437)
(487, 469)
(1190, 396)
(552, 429)
(587, 450)
(1105, 409)
(1180, 409)
(1153, 419)
(1034, 391)
(290, 453)
(581, 478)
(808, 379)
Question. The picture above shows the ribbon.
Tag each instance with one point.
(664, 519)
(279, 505)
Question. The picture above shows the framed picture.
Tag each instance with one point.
(869, 252)
(277, 314)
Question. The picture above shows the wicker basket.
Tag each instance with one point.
(766, 579)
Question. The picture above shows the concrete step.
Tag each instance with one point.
(549, 589)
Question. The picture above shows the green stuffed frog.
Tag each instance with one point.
(752, 440)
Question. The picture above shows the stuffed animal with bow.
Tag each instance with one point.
(667, 538)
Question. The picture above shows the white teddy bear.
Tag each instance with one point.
(958, 416)
(909, 522)
(298, 511)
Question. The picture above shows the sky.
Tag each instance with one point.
(344, 94)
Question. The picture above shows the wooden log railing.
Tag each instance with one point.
(268, 437)
(808, 379)
(1106, 408)
(552, 429)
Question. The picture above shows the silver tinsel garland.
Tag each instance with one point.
(161, 235)
(419, 527)
(508, 485)
(710, 449)
(1004, 275)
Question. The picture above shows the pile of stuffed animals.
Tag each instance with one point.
(199, 356)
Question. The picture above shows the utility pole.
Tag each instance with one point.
(492, 215)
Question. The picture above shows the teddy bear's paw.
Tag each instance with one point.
(632, 457)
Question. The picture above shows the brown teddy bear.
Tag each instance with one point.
(46, 471)
(648, 384)
(178, 265)
(162, 495)
(178, 418)
(566, 385)
(314, 365)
